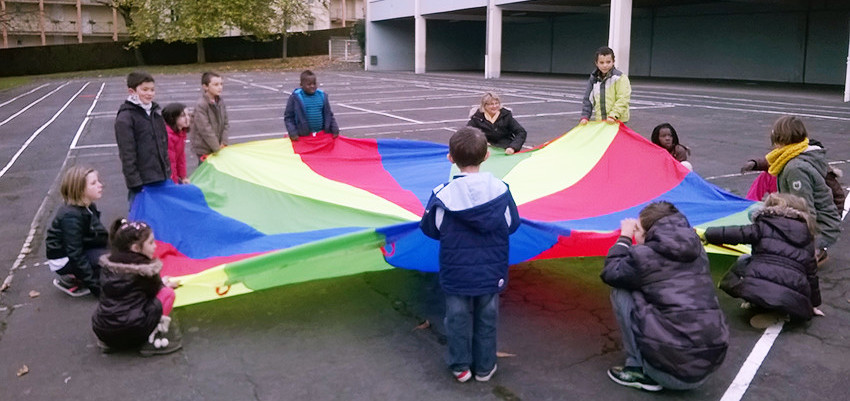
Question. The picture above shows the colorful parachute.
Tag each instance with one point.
(267, 213)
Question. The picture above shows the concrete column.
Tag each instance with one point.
(114, 25)
(5, 34)
(79, 22)
(846, 75)
(419, 40)
(344, 12)
(620, 32)
(41, 21)
(493, 54)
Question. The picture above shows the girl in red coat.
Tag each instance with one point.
(177, 124)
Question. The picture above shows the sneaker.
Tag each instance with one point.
(762, 321)
(161, 345)
(633, 377)
(484, 378)
(70, 287)
(821, 256)
(463, 376)
(104, 348)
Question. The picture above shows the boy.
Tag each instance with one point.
(141, 136)
(608, 91)
(208, 130)
(674, 333)
(308, 111)
(472, 216)
(800, 168)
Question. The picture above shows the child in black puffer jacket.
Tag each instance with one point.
(135, 302)
(781, 273)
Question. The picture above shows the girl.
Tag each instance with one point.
(664, 135)
(498, 124)
(781, 273)
(76, 238)
(133, 310)
(177, 124)
(800, 168)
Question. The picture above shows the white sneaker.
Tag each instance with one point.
(486, 377)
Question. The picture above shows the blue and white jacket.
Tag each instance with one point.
(472, 215)
(295, 116)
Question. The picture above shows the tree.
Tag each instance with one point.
(127, 8)
(289, 13)
(191, 21)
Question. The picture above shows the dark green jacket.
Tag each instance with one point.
(804, 176)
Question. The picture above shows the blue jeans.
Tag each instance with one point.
(471, 332)
(624, 303)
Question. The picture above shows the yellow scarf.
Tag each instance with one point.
(492, 119)
(779, 156)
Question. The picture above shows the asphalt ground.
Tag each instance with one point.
(357, 337)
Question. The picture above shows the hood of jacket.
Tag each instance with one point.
(131, 263)
(786, 222)
(468, 198)
(816, 157)
(674, 238)
(130, 106)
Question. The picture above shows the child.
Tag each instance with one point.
(665, 136)
(209, 119)
(766, 183)
(308, 111)
(141, 137)
(498, 124)
(177, 123)
(472, 215)
(800, 169)
(76, 239)
(608, 91)
(133, 310)
(781, 274)
(674, 333)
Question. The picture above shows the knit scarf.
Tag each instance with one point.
(777, 158)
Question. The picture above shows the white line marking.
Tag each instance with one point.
(762, 111)
(748, 370)
(33, 104)
(26, 248)
(88, 117)
(21, 95)
(38, 131)
(102, 145)
(257, 85)
(380, 113)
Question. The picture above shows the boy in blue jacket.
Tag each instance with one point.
(472, 215)
(308, 111)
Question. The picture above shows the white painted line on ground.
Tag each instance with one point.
(102, 145)
(253, 120)
(26, 248)
(21, 95)
(754, 102)
(258, 85)
(738, 109)
(39, 130)
(88, 117)
(27, 107)
(380, 113)
(748, 370)
(265, 134)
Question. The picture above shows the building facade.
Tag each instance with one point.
(59, 22)
(796, 41)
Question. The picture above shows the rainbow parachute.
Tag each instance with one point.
(268, 213)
